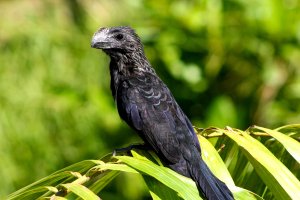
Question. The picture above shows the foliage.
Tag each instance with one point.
(88, 178)
(227, 63)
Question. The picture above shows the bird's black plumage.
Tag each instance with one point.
(148, 106)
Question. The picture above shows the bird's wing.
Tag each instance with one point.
(147, 105)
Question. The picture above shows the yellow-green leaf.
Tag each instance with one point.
(185, 187)
(81, 191)
(283, 184)
(291, 145)
(214, 161)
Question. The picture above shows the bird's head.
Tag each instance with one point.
(116, 40)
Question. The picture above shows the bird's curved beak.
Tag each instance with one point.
(100, 39)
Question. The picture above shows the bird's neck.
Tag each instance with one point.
(125, 66)
(129, 64)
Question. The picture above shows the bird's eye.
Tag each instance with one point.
(119, 36)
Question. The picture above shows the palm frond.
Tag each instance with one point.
(246, 154)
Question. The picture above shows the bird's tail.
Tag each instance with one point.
(209, 185)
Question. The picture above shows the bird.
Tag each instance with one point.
(147, 105)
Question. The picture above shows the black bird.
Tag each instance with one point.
(148, 106)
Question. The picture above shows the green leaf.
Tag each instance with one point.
(291, 145)
(85, 179)
(292, 130)
(218, 167)
(214, 161)
(41, 187)
(243, 194)
(37, 188)
(282, 183)
(185, 187)
(115, 166)
(100, 181)
(81, 191)
(158, 190)
(58, 198)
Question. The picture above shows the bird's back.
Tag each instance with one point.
(148, 106)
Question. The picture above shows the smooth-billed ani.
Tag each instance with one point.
(148, 106)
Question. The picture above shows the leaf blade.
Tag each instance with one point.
(282, 183)
(185, 187)
(81, 191)
(291, 145)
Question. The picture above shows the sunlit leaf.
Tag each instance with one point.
(158, 190)
(291, 145)
(282, 183)
(81, 191)
(214, 161)
(58, 198)
(185, 187)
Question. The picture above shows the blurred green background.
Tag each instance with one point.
(229, 63)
